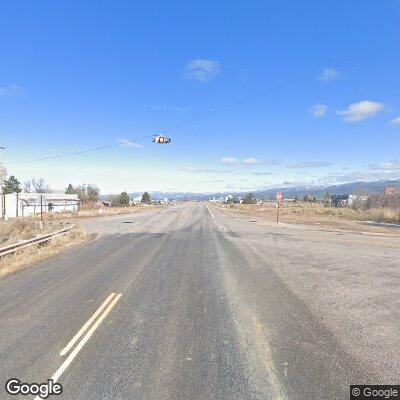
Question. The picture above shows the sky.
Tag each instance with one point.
(252, 94)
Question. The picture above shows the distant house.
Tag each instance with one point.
(227, 198)
(345, 200)
(339, 200)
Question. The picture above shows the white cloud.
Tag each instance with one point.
(202, 70)
(329, 75)
(251, 161)
(365, 176)
(389, 166)
(256, 161)
(228, 160)
(10, 89)
(262, 173)
(318, 110)
(196, 169)
(395, 121)
(309, 164)
(130, 143)
(361, 111)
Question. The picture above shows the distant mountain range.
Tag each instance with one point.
(289, 192)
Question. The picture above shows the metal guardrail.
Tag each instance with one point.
(30, 242)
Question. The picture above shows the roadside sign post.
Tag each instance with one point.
(279, 199)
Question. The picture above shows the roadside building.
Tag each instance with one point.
(28, 204)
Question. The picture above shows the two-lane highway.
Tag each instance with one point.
(191, 303)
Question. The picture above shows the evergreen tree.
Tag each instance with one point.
(70, 189)
(249, 199)
(146, 198)
(12, 185)
(124, 199)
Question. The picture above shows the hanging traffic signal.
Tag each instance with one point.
(161, 139)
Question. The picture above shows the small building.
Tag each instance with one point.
(339, 200)
(28, 204)
(345, 200)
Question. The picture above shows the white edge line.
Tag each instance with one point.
(209, 211)
(74, 353)
(81, 331)
(186, 210)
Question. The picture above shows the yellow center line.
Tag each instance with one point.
(81, 331)
(75, 352)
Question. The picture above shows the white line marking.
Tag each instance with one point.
(186, 211)
(74, 353)
(209, 211)
(81, 331)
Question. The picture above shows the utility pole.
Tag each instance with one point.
(2, 177)
(41, 209)
(279, 200)
(277, 213)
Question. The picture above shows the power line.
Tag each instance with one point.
(73, 153)
(199, 118)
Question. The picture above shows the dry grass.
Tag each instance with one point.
(22, 259)
(18, 229)
(100, 212)
(352, 214)
(314, 212)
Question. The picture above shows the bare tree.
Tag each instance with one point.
(88, 192)
(37, 185)
(27, 187)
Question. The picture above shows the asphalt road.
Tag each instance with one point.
(192, 303)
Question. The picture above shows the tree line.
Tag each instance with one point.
(87, 192)
(13, 185)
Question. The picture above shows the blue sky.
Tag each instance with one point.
(321, 79)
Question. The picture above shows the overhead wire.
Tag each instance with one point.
(176, 126)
